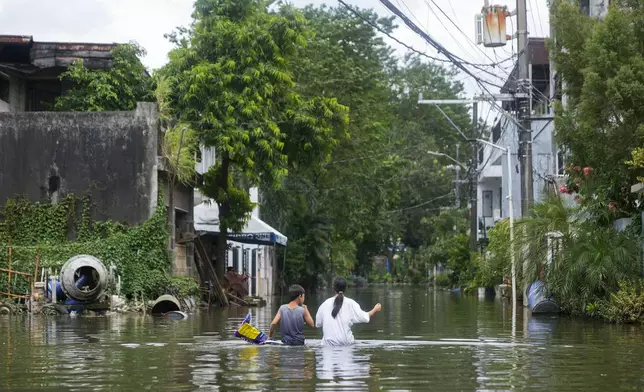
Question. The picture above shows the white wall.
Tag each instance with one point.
(543, 164)
(263, 272)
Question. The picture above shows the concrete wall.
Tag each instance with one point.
(113, 155)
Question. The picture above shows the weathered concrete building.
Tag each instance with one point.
(114, 156)
(30, 70)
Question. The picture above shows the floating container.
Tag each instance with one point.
(538, 303)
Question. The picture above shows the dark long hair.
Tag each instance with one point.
(339, 285)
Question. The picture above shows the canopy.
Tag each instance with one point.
(256, 230)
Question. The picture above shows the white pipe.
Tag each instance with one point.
(514, 272)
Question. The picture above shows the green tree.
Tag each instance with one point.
(231, 78)
(119, 87)
(602, 66)
(330, 211)
(380, 182)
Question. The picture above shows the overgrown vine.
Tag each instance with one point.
(58, 232)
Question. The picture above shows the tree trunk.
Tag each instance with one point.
(224, 210)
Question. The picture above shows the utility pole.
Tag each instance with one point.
(474, 219)
(524, 85)
(473, 167)
(523, 104)
(457, 202)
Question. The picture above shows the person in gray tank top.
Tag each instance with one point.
(291, 318)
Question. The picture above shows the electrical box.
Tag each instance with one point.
(490, 26)
(478, 28)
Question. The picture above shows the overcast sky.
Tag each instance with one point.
(146, 21)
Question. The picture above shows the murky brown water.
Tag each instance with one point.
(421, 341)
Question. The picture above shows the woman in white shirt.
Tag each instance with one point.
(337, 314)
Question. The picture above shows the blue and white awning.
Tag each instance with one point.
(256, 231)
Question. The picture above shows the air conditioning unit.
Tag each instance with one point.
(478, 29)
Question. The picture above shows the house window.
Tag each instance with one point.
(584, 6)
(561, 163)
(245, 260)
(496, 132)
(501, 202)
(236, 259)
(4, 89)
(487, 204)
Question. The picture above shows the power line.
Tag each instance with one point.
(442, 50)
(532, 9)
(421, 204)
(382, 31)
(509, 74)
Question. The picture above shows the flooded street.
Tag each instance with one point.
(420, 341)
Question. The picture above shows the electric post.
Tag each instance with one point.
(474, 219)
(523, 104)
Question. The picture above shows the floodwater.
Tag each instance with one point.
(422, 340)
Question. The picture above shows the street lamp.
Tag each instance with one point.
(508, 153)
(440, 154)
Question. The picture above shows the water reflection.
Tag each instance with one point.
(342, 366)
(425, 340)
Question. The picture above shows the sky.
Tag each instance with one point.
(146, 22)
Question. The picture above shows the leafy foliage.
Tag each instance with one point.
(119, 87)
(60, 231)
(380, 183)
(626, 305)
(590, 261)
(231, 77)
(602, 64)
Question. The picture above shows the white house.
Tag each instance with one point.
(253, 251)
(547, 162)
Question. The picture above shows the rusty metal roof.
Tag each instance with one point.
(78, 46)
(21, 54)
(16, 39)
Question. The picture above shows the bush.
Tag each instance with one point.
(626, 305)
(183, 286)
(442, 280)
(374, 276)
(487, 275)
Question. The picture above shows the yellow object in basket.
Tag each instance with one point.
(248, 331)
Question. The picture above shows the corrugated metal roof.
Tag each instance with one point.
(21, 54)
(16, 39)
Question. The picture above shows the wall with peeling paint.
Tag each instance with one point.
(112, 155)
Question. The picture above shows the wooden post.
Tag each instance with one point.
(33, 281)
(9, 268)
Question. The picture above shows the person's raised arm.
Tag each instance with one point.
(359, 316)
(375, 310)
(274, 324)
(307, 317)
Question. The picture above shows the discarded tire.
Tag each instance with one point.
(83, 278)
